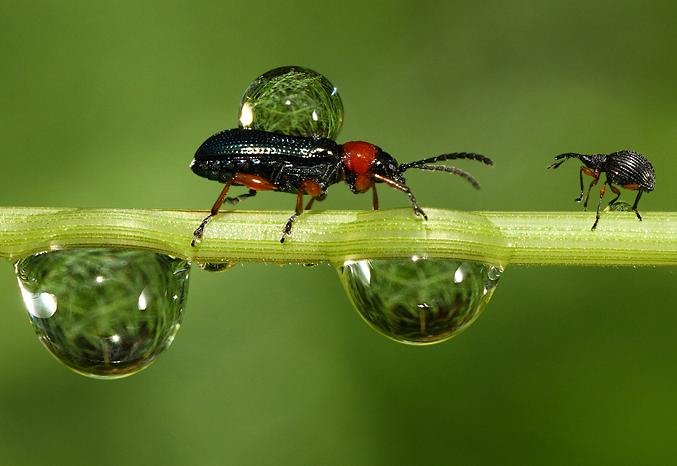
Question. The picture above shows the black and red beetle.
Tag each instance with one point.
(261, 161)
(626, 168)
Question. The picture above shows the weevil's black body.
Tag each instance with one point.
(261, 160)
(626, 168)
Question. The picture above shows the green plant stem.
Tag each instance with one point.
(502, 238)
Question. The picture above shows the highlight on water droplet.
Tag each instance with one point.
(417, 300)
(292, 100)
(103, 312)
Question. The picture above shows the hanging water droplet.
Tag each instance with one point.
(217, 266)
(105, 313)
(419, 301)
(292, 100)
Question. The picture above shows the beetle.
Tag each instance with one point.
(626, 168)
(266, 161)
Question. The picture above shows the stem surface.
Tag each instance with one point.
(501, 238)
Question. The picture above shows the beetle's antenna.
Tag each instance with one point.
(443, 157)
(428, 164)
(561, 158)
(453, 170)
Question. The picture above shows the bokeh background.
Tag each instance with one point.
(102, 104)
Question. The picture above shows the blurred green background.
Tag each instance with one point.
(103, 105)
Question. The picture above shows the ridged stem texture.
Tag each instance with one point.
(501, 238)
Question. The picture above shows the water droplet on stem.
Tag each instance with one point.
(419, 301)
(105, 313)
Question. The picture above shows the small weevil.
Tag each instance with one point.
(626, 168)
(262, 161)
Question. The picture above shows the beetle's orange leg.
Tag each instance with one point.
(405, 189)
(310, 187)
(199, 231)
(253, 182)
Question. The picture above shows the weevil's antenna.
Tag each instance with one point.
(428, 164)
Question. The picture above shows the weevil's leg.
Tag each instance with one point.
(587, 194)
(602, 190)
(199, 231)
(236, 200)
(595, 179)
(616, 191)
(374, 197)
(580, 176)
(634, 205)
(405, 189)
(286, 231)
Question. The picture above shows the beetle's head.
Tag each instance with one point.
(365, 163)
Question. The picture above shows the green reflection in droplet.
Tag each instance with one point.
(419, 301)
(105, 313)
(292, 100)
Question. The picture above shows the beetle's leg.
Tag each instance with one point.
(634, 205)
(374, 197)
(405, 189)
(286, 231)
(616, 191)
(321, 197)
(199, 231)
(602, 190)
(236, 200)
(317, 193)
(253, 182)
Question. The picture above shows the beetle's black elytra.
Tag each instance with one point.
(626, 168)
(261, 160)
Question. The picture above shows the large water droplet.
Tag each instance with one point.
(105, 313)
(292, 100)
(419, 301)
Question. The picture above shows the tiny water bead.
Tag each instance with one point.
(105, 313)
(416, 300)
(220, 266)
(292, 100)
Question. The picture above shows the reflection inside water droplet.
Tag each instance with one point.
(292, 100)
(417, 300)
(105, 313)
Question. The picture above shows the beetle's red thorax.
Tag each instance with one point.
(358, 156)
